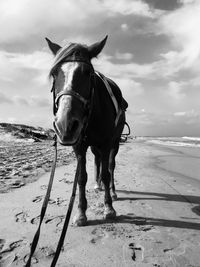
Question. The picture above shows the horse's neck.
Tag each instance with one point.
(103, 106)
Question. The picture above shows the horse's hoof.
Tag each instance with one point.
(114, 196)
(80, 220)
(109, 213)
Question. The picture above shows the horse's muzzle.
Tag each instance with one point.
(68, 133)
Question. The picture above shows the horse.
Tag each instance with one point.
(85, 116)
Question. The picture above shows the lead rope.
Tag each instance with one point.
(43, 210)
(66, 223)
(44, 206)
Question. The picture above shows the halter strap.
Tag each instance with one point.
(71, 93)
(83, 100)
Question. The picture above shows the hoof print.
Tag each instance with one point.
(22, 217)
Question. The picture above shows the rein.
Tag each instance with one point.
(43, 211)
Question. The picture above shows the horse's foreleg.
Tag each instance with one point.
(80, 218)
(109, 212)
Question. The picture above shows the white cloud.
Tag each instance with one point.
(189, 114)
(13, 65)
(20, 19)
(129, 70)
(128, 7)
(182, 26)
(124, 56)
(33, 101)
(124, 27)
(5, 99)
(189, 117)
(26, 17)
(180, 114)
(129, 87)
(175, 90)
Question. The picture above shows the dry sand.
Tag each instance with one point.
(157, 224)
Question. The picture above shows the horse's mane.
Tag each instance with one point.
(67, 51)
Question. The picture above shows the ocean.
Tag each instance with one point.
(184, 141)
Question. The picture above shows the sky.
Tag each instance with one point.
(152, 53)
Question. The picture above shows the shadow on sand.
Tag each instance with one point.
(132, 219)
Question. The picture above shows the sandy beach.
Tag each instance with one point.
(158, 213)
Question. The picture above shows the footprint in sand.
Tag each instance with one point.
(133, 251)
(22, 217)
(37, 199)
(9, 251)
(57, 220)
(99, 234)
(48, 251)
(66, 181)
(2, 242)
(34, 260)
(58, 201)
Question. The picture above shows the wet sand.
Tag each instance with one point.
(157, 224)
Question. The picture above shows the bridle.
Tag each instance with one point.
(86, 102)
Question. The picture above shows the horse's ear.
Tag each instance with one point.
(53, 47)
(96, 48)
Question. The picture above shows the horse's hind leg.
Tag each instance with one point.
(81, 219)
(109, 212)
(97, 169)
(113, 153)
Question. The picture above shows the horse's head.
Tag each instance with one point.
(73, 75)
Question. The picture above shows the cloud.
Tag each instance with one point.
(182, 27)
(129, 70)
(128, 7)
(38, 17)
(189, 114)
(124, 27)
(189, 117)
(32, 101)
(5, 99)
(39, 102)
(13, 65)
(123, 56)
(175, 90)
(21, 19)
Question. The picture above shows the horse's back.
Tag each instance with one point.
(116, 91)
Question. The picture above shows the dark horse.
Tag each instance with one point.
(85, 116)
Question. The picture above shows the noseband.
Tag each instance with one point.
(86, 102)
